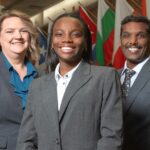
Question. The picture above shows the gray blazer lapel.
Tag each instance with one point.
(50, 98)
(3, 69)
(80, 77)
(6, 77)
(119, 72)
(139, 83)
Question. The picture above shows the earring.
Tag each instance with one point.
(52, 49)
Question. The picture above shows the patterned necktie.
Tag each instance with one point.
(126, 84)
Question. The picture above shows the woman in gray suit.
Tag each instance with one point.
(18, 43)
(78, 106)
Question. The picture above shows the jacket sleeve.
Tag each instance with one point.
(111, 113)
(27, 139)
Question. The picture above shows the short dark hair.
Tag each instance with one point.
(87, 53)
(134, 18)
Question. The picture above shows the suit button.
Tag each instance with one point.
(57, 141)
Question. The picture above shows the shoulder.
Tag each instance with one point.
(104, 75)
(42, 81)
(101, 70)
(1, 59)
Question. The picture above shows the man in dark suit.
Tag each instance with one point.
(135, 41)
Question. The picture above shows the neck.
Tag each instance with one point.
(131, 65)
(65, 68)
(18, 64)
(15, 60)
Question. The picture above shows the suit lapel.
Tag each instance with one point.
(49, 98)
(6, 77)
(119, 72)
(3, 69)
(139, 83)
(80, 77)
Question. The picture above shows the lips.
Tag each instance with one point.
(67, 49)
(17, 43)
(133, 49)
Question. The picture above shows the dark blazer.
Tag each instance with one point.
(90, 116)
(10, 111)
(137, 113)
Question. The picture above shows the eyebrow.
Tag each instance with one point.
(10, 28)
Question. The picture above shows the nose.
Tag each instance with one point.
(133, 40)
(67, 38)
(17, 34)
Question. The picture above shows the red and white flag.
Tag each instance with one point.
(105, 33)
(146, 8)
(123, 9)
(91, 24)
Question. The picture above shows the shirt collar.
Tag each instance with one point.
(68, 74)
(137, 68)
(30, 68)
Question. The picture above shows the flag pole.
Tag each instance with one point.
(110, 5)
(89, 11)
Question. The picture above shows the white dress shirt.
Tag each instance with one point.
(137, 69)
(62, 82)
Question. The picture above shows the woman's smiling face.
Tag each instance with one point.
(14, 36)
(68, 39)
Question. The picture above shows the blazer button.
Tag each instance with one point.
(57, 141)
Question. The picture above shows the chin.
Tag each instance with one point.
(136, 61)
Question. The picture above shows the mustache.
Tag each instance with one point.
(133, 46)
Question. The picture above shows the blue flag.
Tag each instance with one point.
(43, 52)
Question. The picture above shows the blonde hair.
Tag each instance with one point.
(33, 50)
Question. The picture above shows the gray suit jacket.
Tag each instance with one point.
(137, 113)
(10, 111)
(90, 116)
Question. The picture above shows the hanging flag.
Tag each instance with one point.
(43, 52)
(49, 33)
(105, 33)
(122, 10)
(146, 8)
(143, 5)
(92, 26)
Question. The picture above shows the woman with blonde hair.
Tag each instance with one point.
(19, 50)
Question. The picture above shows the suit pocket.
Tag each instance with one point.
(3, 142)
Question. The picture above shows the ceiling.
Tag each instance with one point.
(31, 7)
(41, 11)
(35, 7)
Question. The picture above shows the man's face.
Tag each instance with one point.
(135, 42)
